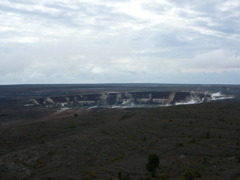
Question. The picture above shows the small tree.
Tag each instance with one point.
(75, 115)
(153, 164)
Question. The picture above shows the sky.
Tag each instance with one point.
(119, 41)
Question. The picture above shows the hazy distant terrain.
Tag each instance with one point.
(23, 91)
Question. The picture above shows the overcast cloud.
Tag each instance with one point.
(128, 41)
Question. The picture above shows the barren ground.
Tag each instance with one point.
(100, 143)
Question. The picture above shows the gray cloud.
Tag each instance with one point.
(217, 15)
(111, 41)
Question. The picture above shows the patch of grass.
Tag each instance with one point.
(42, 142)
(205, 160)
(213, 178)
(145, 178)
(91, 174)
(53, 178)
(208, 135)
(126, 116)
(220, 169)
(190, 123)
(25, 132)
(40, 164)
(193, 141)
(134, 148)
(164, 126)
(238, 157)
(178, 145)
(193, 172)
(73, 127)
(104, 132)
(164, 175)
(92, 140)
(189, 136)
(112, 160)
(123, 176)
(221, 119)
(188, 175)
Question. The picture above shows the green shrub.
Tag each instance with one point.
(192, 173)
(123, 176)
(153, 164)
(188, 175)
(75, 115)
(164, 176)
(193, 141)
(178, 145)
(238, 157)
(90, 175)
(208, 135)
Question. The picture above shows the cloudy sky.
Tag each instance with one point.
(119, 41)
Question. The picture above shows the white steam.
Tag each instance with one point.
(220, 96)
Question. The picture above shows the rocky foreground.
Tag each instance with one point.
(193, 142)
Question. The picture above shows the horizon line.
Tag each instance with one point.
(32, 84)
